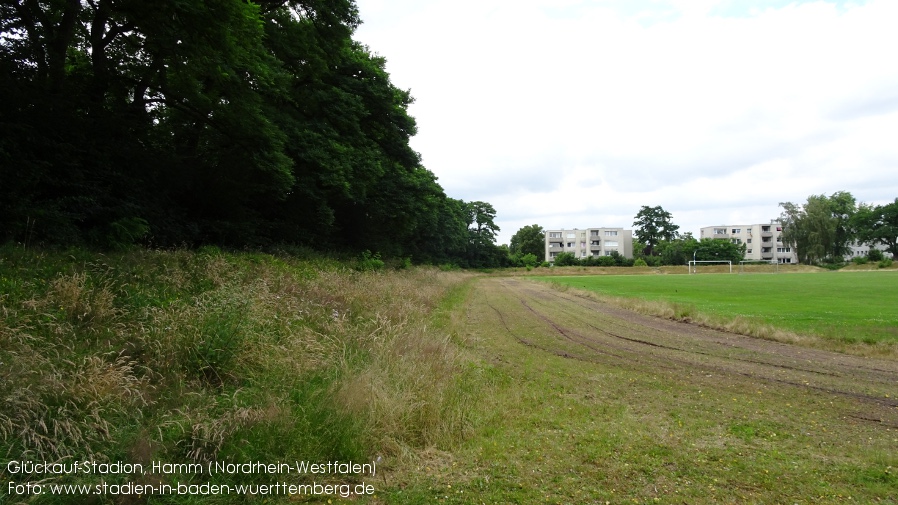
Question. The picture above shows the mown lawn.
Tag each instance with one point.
(849, 306)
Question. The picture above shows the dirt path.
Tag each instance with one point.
(564, 324)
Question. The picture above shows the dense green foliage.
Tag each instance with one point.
(878, 225)
(653, 225)
(529, 240)
(225, 122)
(820, 229)
(681, 250)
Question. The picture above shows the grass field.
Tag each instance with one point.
(185, 357)
(847, 306)
(561, 423)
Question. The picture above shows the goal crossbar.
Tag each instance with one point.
(693, 267)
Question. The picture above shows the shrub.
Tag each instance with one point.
(605, 261)
(875, 255)
(640, 263)
(565, 259)
(125, 232)
(529, 260)
(885, 263)
(860, 260)
(370, 262)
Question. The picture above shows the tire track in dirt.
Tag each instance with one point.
(655, 343)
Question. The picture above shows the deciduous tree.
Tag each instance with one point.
(878, 225)
(821, 228)
(654, 224)
(529, 240)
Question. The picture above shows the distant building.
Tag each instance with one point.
(589, 242)
(858, 250)
(763, 242)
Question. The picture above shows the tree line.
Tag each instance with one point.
(215, 122)
(821, 230)
(657, 242)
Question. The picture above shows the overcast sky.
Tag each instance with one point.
(575, 113)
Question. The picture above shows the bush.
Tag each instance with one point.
(605, 261)
(370, 262)
(875, 255)
(652, 261)
(885, 263)
(640, 263)
(529, 260)
(860, 260)
(565, 259)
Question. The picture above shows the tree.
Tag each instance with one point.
(821, 229)
(709, 249)
(529, 240)
(482, 234)
(878, 224)
(653, 224)
(678, 251)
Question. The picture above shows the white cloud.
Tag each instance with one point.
(576, 113)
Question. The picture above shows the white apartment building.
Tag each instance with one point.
(858, 249)
(589, 242)
(763, 242)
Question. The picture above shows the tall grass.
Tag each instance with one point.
(186, 357)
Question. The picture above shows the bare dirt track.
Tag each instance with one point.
(578, 328)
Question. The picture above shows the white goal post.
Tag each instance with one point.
(693, 267)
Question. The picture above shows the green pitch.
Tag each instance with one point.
(850, 306)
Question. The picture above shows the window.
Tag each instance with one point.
(571, 235)
(610, 243)
(736, 240)
(554, 234)
(720, 231)
(610, 233)
(748, 241)
(570, 244)
(594, 233)
(737, 230)
(748, 251)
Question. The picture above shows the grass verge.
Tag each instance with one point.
(185, 357)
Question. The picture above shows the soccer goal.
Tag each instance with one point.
(693, 264)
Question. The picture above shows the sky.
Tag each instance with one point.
(576, 113)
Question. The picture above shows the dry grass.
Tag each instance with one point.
(202, 352)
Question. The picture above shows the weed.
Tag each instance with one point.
(213, 355)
